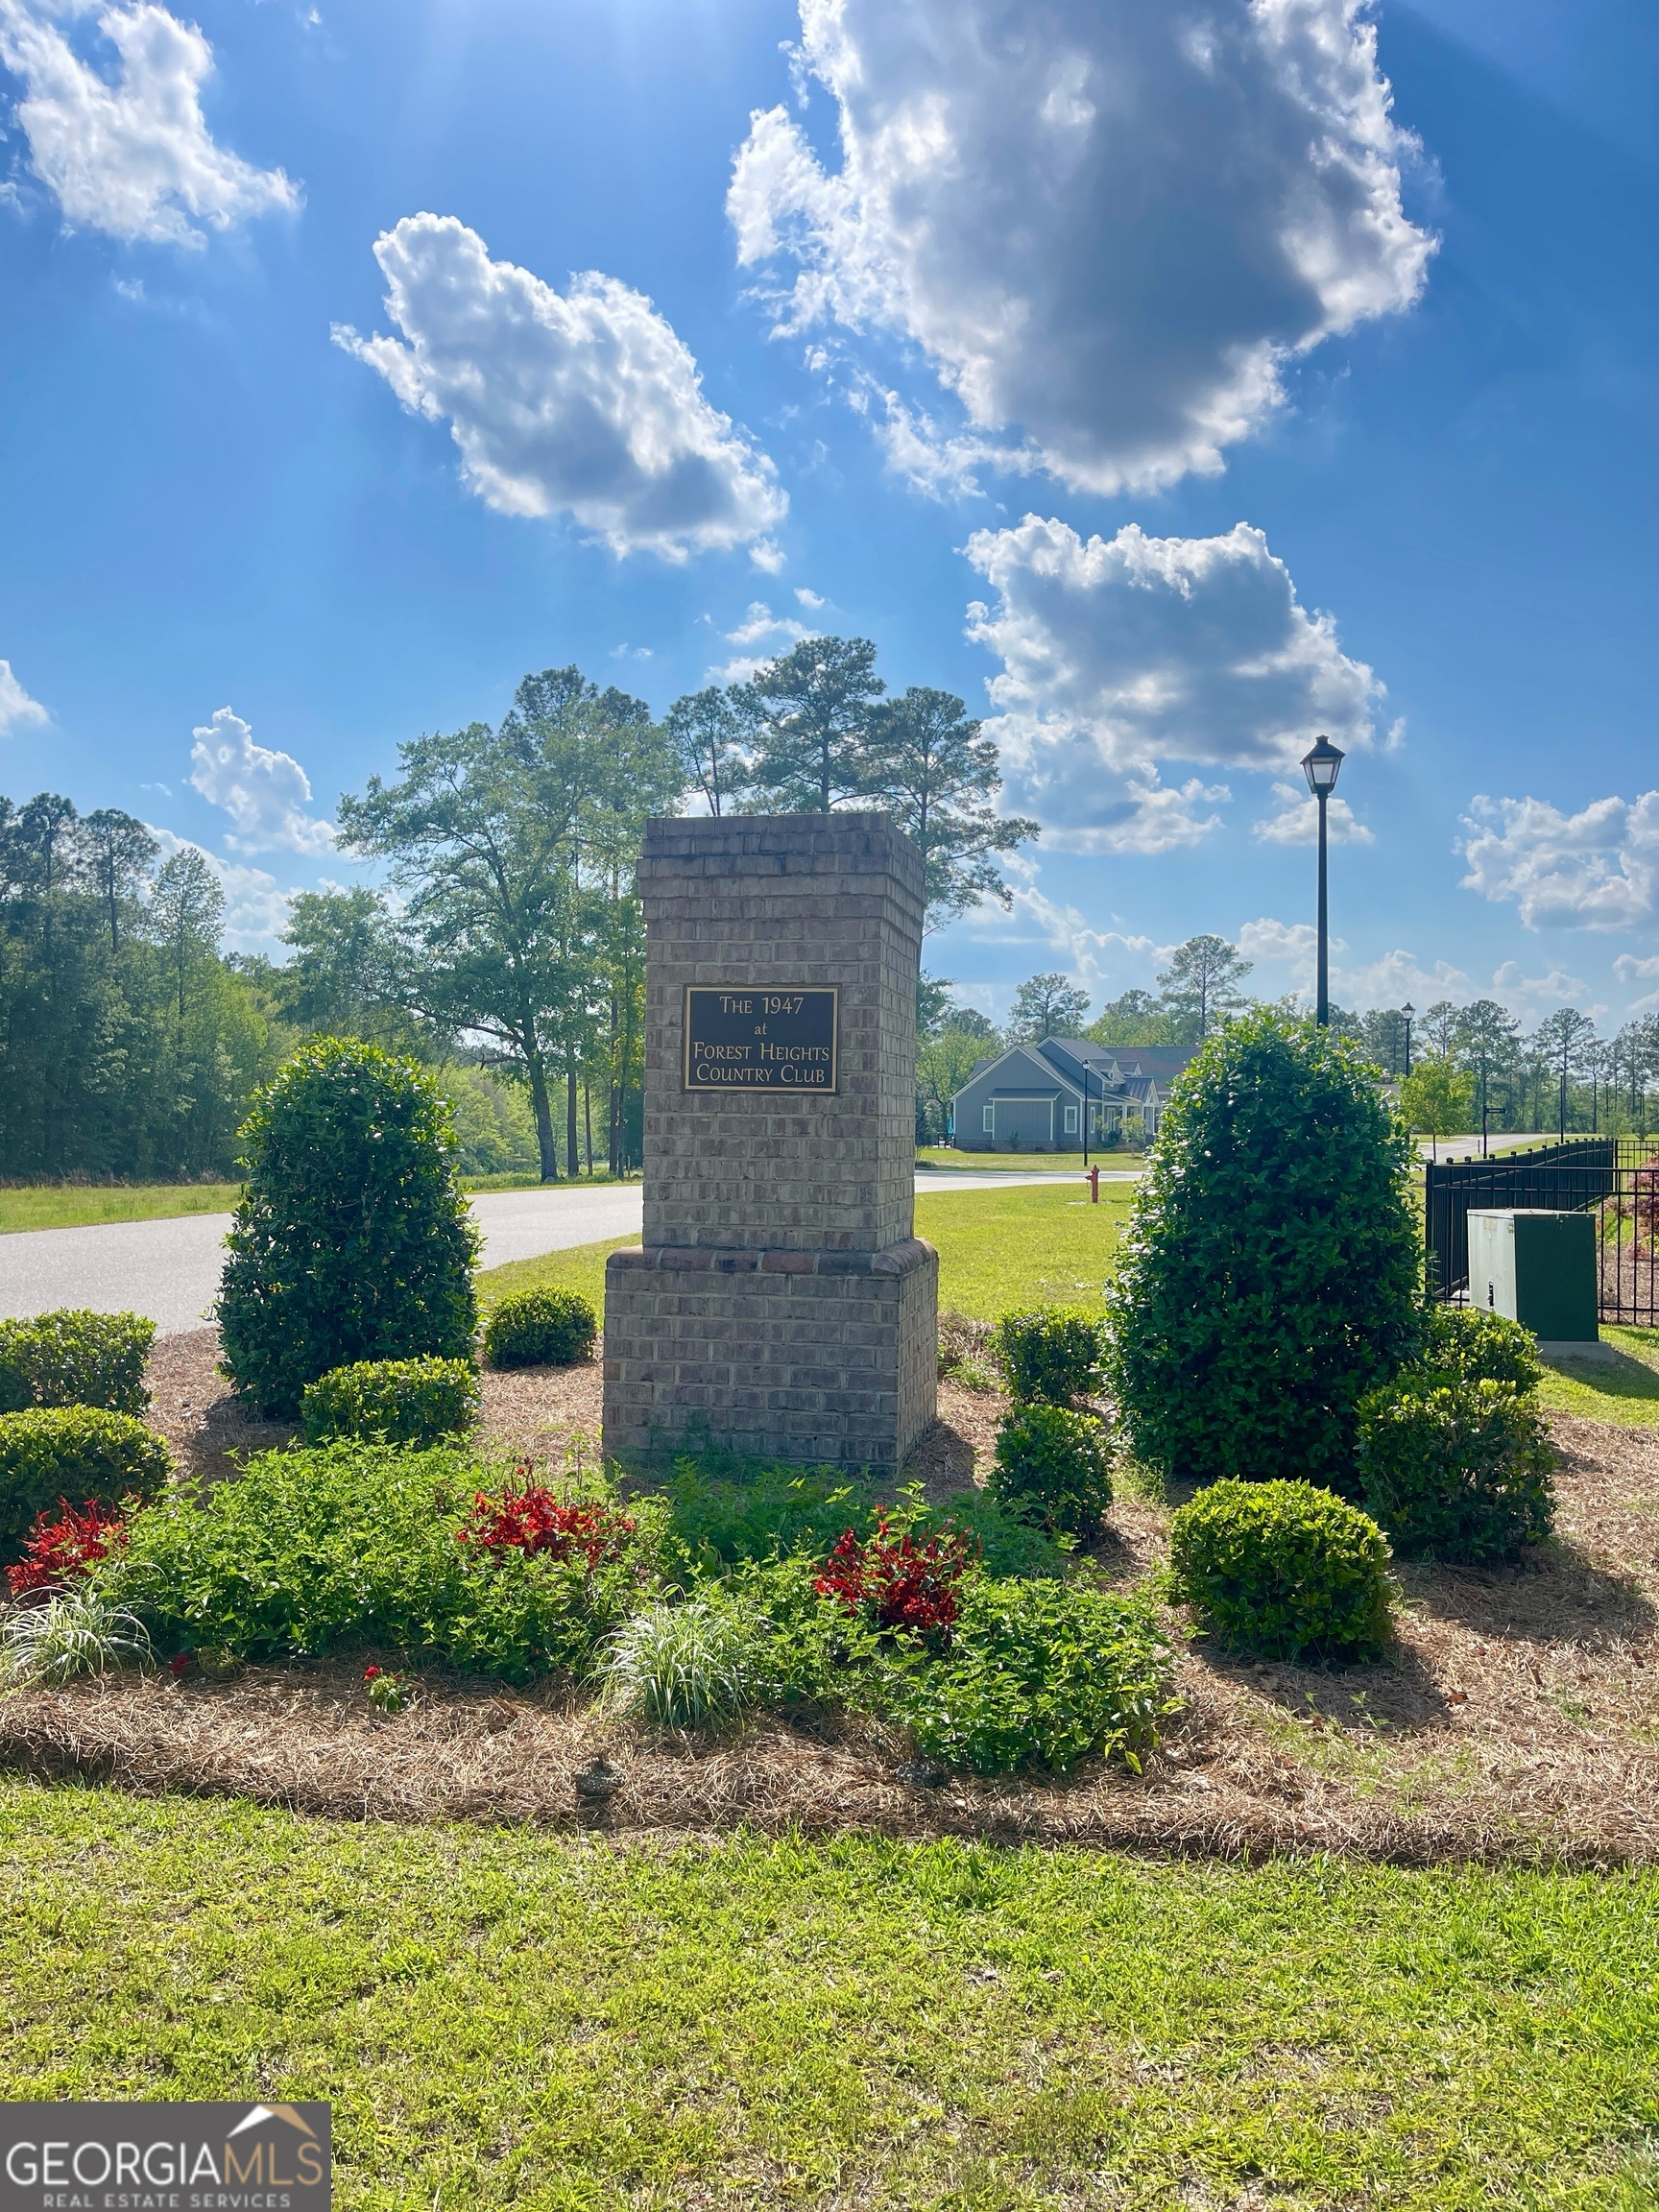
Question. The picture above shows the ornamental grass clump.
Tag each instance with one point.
(81, 1631)
(398, 1401)
(352, 1240)
(682, 1666)
(1458, 1469)
(1284, 1570)
(1053, 1467)
(73, 1455)
(1269, 1275)
(75, 1357)
(1050, 1357)
(540, 1329)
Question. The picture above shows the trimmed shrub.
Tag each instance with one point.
(1050, 1357)
(1054, 1467)
(352, 1240)
(1040, 1674)
(75, 1357)
(398, 1401)
(900, 1582)
(1456, 1469)
(347, 1545)
(74, 1456)
(1467, 1343)
(1283, 1568)
(540, 1329)
(1269, 1275)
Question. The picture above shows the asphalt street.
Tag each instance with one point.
(170, 1269)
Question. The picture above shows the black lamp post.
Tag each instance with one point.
(1320, 768)
(1408, 1010)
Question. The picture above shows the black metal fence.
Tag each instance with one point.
(1615, 1178)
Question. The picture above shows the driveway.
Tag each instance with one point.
(170, 1269)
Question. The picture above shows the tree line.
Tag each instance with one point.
(506, 940)
(1465, 1063)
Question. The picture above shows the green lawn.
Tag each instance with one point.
(75, 1206)
(1028, 1163)
(1625, 1391)
(503, 2018)
(997, 1250)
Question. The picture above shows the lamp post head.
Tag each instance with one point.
(1409, 1010)
(1320, 767)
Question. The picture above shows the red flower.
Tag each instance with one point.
(907, 1586)
(536, 1519)
(56, 1550)
(370, 1673)
(179, 1663)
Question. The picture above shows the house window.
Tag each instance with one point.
(1070, 1120)
(990, 1121)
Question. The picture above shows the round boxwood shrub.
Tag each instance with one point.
(1469, 1345)
(398, 1400)
(1269, 1274)
(1456, 1469)
(540, 1329)
(1050, 1357)
(1284, 1568)
(1053, 1466)
(75, 1358)
(352, 1240)
(77, 1453)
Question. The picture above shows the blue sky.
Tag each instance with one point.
(1236, 403)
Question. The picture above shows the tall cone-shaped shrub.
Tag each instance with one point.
(352, 1240)
(1269, 1274)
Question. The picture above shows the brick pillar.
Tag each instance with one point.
(781, 1304)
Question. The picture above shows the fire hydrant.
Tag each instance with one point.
(1093, 1186)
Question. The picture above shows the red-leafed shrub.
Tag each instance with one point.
(56, 1551)
(537, 1519)
(907, 1584)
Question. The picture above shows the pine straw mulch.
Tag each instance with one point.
(1518, 1718)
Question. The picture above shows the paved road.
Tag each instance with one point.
(170, 1269)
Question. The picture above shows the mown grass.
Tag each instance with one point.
(506, 2018)
(998, 1250)
(1624, 1390)
(80, 1205)
(1029, 1163)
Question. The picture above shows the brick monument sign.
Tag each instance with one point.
(781, 1303)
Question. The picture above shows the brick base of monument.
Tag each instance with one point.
(824, 1358)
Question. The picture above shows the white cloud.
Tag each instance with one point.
(1629, 969)
(17, 710)
(808, 599)
(1392, 981)
(760, 626)
(767, 555)
(1297, 821)
(1096, 958)
(1107, 226)
(1121, 654)
(264, 793)
(586, 403)
(131, 153)
(1534, 994)
(1594, 869)
(255, 907)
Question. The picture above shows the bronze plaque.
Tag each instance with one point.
(760, 1037)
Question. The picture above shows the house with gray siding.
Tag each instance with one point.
(1038, 1098)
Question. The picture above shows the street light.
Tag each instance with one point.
(1408, 1010)
(1320, 768)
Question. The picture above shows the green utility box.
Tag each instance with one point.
(1539, 1268)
